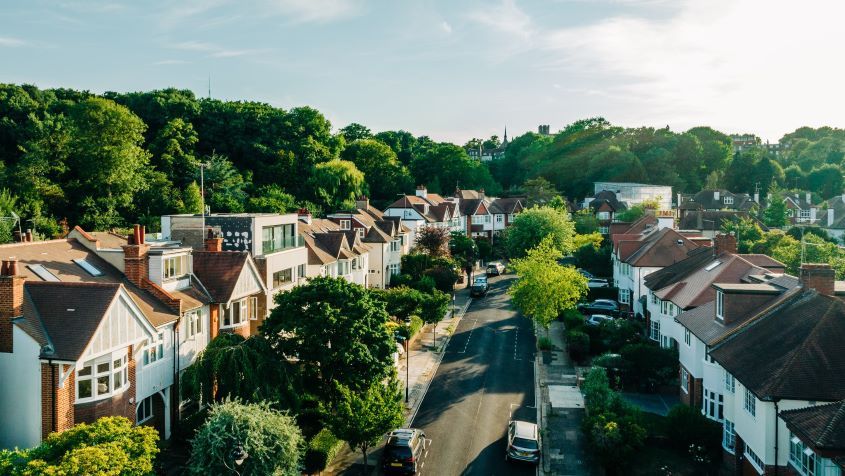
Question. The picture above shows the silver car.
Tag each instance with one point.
(523, 442)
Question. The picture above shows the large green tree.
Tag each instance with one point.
(337, 183)
(387, 177)
(533, 225)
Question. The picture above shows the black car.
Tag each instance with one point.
(403, 451)
(479, 287)
(600, 306)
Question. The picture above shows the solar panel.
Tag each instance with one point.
(42, 273)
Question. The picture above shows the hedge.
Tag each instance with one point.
(322, 449)
(578, 344)
(416, 325)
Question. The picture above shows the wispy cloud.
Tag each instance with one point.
(215, 51)
(10, 42)
(506, 18)
(315, 11)
(446, 27)
(170, 62)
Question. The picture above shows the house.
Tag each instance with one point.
(635, 193)
(487, 154)
(427, 209)
(801, 210)
(764, 347)
(92, 331)
(742, 142)
(605, 206)
(716, 200)
(833, 219)
(709, 223)
(635, 255)
(335, 252)
(272, 240)
(504, 211)
(817, 439)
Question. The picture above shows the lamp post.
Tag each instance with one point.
(407, 358)
(239, 455)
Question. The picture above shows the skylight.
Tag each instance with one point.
(42, 273)
(712, 266)
(92, 270)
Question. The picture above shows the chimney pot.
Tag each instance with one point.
(4, 268)
(818, 276)
(12, 267)
(29, 236)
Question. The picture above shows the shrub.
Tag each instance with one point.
(572, 319)
(617, 333)
(649, 366)
(411, 330)
(687, 427)
(544, 343)
(322, 449)
(578, 344)
(614, 439)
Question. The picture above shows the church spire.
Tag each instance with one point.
(505, 140)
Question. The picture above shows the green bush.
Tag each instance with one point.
(411, 330)
(687, 427)
(578, 344)
(649, 366)
(544, 343)
(572, 319)
(618, 333)
(322, 449)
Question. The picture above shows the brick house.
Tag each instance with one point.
(605, 207)
(427, 209)
(336, 252)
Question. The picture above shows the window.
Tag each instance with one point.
(235, 314)
(720, 305)
(755, 460)
(730, 383)
(604, 230)
(802, 458)
(713, 405)
(804, 214)
(603, 215)
(91, 269)
(154, 351)
(687, 338)
(345, 224)
(193, 323)
(360, 232)
(344, 267)
(395, 245)
(487, 218)
(174, 267)
(279, 237)
(625, 296)
(280, 278)
(729, 200)
(42, 273)
(103, 377)
(654, 330)
(709, 359)
(750, 403)
(684, 380)
(145, 410)
(510, 218)
(478, 219)
(393, 269)
(728, 437)
(300, 271)
(654, 299)
(253, 308)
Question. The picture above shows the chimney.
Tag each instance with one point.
(809, 197)
(481, 192)
(135, 258)
(213, 241)
(830, 216)
(362, 203)
(28, 236)
(724, 243)
(19, 237)
(304, 215)
(421, 191)
(818, 276)
(716, 195)
(11, 301)
(756, 197)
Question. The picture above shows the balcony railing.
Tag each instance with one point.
(288, 242)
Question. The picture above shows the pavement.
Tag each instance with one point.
(561, 411)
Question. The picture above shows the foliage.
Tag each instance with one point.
(321, 451)
(388, 176)
(272, 199)
(630, 215)
(443, 276)
(687, 428)
(485, 249)
(337, 331)
(336, 184)
(595, 260)
(585, 222)
(578, 344)
(271, 440)
(648, 366)
(225, 187)
(544, 343)
(591, 239)
(464, 250)
(410, 330)
(109, 446)
(746, 230)
(533, 225)
(246, 369)
(362, 418)
(434, 306)
(617, 333)
(433, 240)
(775, 213)
(355, 131)
(572, 319)
(797, 231)
(444, 166)
(538, 192)
(545, 288)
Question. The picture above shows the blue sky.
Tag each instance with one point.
(455, 69)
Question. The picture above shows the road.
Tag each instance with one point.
(486, 374)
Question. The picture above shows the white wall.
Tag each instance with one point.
(378, 252)
(157, 375)
(189, 347)
(691, 356)
(20, 393)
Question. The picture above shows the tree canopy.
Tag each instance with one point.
(533, 225)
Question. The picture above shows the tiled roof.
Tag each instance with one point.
(822, 426)
(764, 261)
(706, 200)
(660, 248)
(108, 239)
(713, 220)
(506, 205)
(468, 206)
(69, 313)
(697, 289)
(695, 259)
(219, 271)
(607, 197)
(791, 351)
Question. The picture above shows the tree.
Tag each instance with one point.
(746, 230)
(433, 240)
(545, 289)
(827, 180)
(531, 226)
(337, 331)
(272, 199)
(8, 204)
(337, 183)
(586, 222)
(110, 445)
(631, 214)
(355, 131)
(270, 439)
(173, 151)
(225, 187)
(375, 159)
(775, 213)
(538, 192)
(464, 250)
(192, 199)
(246, 369)
(362, 418)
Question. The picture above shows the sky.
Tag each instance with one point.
(455, 69)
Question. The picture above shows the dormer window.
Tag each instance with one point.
(729, 200)
(345, 224)
(720, 305)
(174, 267)
(360, 232)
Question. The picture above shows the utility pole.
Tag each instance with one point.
(209, 85)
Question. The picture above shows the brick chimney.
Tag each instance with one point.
(724, 243)
(304, 215)
(362, 203)
(213, 241)
(11, 301)
(818, 276)
(135, 258)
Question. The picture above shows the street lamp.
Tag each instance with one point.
(239, 455)
(407, 357)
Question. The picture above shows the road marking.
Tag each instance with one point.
(466, 344)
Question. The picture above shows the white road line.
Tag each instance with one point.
(466, 344)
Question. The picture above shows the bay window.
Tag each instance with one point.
(728, 437)
(103, 377)
(801, 457)
(174, 266)
(235, 314)
(713, 405)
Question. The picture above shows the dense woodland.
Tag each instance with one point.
(72, 157)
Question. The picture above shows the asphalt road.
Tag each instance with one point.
(486, 375)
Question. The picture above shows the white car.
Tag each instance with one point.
(597, 283)
(596, 319)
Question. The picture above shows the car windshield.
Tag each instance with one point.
(525, 444)
(397, 452)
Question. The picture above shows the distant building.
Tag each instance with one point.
(486, 155)
(634, 193)
(543, 130)
(744, 141)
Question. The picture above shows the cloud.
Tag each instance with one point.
(169, 62)
(446, 27)
(506, 18)
(315, 11)
(215, 51)
(7, 41)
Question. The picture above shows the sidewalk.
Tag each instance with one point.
(560, 411)
(424, 360)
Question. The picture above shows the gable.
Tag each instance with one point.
(124, 324)
(248, 283)
(482, 209)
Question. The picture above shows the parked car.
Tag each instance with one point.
(495, 269)
(600, 306)
(596, 319)
(597, 283)
(479, 287)
(586, 273)
(523, 442)
(403, 451)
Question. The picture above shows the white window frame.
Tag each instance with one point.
(113, 372)
(687, 337)
(625, 296)
(603, 215)
(345, 224)
(253, 308)
(360, 232)
(801, 457)
(242, 315)
(720, 305)
(193, 323)
(728, 436)
(728, 200)
(173, 267)
(396, 245)
(755, 460)
(500, 218)
(750, 403)
(280, 273)
(713, 405)
(684, 380)
(654, 330)
(144, 412)
(477, 219)
(154, 351)
(730, 382)
(394, 269)
(604, 230)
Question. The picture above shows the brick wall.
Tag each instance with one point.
(62, 407)
(11, 301)
(136, 266)
(819, 277)
(157, 421)
(162, 295)
(260, 312)
(242, 330)
(214, 320)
